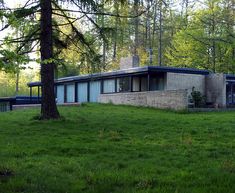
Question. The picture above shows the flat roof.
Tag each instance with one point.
(130, 71)
(230, 77)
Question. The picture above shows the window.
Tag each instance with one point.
(123, 84)
(109, 86)
(156, 83)
(60, 94)
(136, 84)
(144, 84)
(70, 96)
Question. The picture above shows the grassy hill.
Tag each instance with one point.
(117, 149)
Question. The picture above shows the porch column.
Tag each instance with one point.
(232, 91)
(65, 93)
(102, 86)
(115, 86)
(148, 83)
(131, 83)
(76, 92)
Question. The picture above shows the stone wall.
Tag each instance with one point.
(169, 99)
(176, 81)
(216, 89)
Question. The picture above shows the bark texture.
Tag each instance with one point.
(48, 108)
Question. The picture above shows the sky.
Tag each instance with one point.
(14, 3)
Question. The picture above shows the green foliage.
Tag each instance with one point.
(198, 98)
(132, 149)
(9, 60)
(8, 83)
(207, 42)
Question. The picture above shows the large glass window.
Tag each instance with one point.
(233, 90)
(70, 93)
(156, 82)
(123, 84)
(82, 92)
(94, 91)
(109, 86)
(60, 94)
(229, 93)
(144, 84)
(136, 84)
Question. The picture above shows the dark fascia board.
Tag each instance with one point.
(138, 70)
(178, 70)
(7, 99)
(120, 73)
(95, 76)
(32, 84)
(230, 77)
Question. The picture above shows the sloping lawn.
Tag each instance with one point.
(110, 149)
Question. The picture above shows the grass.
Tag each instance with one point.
(117, 149)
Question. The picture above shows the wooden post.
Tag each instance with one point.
(131, 83)
(76, 92)
(102, 86)
(148, 88)
(65, 93)
(115, 86)
(232, 91)
(11, 105)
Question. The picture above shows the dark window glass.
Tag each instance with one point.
(156, 83)
(233, 93)
(123, 84)
(144, 84)
(229, 93)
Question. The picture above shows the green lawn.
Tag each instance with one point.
(110, 149)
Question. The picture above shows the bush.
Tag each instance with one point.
(198, 98)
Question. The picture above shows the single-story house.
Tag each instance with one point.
(154, 86)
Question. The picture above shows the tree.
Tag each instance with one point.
(48, 109)
(44, 33)
(208, 39)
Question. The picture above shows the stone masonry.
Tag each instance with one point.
(176, 81)
(129, 62)
(169, 99)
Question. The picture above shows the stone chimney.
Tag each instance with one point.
(129, 62)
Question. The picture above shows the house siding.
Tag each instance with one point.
(176, 81)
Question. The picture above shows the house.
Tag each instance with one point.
(154, 86)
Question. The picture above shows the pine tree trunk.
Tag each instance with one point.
(160, 35)
(48, 108)
(115, 34)
(136, 12)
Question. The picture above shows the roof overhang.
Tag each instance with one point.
(126, 72)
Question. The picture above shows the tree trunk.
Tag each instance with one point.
(48, 108)
(136, 12)
(160, 35)
(104, 41)
(115, 34)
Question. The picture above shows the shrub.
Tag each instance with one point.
(198, 98)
